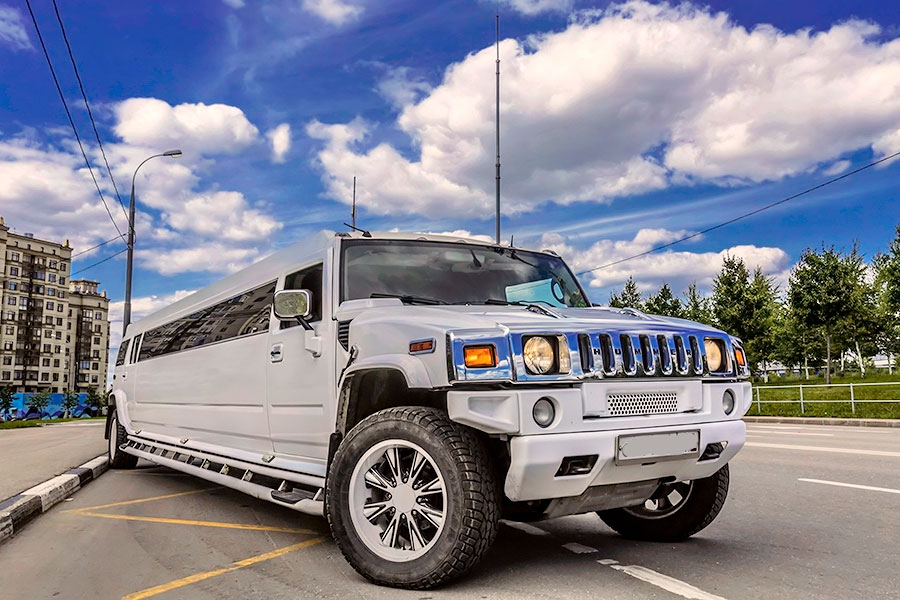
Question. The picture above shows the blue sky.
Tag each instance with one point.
(624, 126)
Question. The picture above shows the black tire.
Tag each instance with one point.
(117, 437)
(471, 505)
(701, 506)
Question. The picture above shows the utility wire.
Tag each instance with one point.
(69, 115)
(743, 216)
(97, 246)
(87, 105)
(99, 262)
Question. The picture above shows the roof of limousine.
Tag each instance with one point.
(266, 270)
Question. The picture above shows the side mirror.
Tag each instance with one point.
(293, 304)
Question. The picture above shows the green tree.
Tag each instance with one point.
(6, 401)
(887, 298)
(823, 293)
(630, 297)
(664, 303)
(764, 309)
(795, 345)
(94, 400)
(69, 402)
(696, 306)
(39, 402)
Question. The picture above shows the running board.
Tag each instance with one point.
(232, 474)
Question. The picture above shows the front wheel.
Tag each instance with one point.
(117, 437)
(674, 512)
(411, 498)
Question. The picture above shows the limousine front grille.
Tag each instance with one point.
(642, 403)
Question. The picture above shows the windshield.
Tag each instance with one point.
(455, 273)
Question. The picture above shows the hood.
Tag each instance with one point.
(524, 318)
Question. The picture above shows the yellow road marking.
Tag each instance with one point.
(179, 583)
(248, 527)
(141, 500)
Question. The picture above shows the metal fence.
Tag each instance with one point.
(853, 400)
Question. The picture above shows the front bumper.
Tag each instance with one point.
(535, 460)
(584, 426)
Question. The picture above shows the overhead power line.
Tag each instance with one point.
(97, 246)
(743, 216)
(99, 262)
(69, 115)
(87, 105)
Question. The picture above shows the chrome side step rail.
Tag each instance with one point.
(256, 480)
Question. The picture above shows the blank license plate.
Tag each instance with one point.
(652, 447)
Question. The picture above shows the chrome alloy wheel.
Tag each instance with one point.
(398, 502)
(667, 499)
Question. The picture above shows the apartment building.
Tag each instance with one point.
(41, 319)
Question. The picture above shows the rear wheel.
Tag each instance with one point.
(117, 437)
(411, 498)
(674, 512)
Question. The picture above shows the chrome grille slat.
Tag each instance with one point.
(642, 403)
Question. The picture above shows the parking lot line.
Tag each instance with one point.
(823, 449)
(184, 581)
(217, 524)
(141, 500)
(669, 584)
(851, 485)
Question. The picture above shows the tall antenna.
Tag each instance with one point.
(498, 128)
(353, 209)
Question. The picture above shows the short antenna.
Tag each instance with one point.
(498, 128)
(353, 206)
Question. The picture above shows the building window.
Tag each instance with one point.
(14, 256)
(13, 285)
(48, 333)
(7, 360)
(49, 305)
(59, 307)
(97, 328)
(94, 379)
(51, 291)
(59, 335)
(6, 376)
(23, 301)
(46, 347)
(59, 321)
(95, 354)
(62, 266)
(45, 376)
(10, 330)
(84, 365)
(57, 349)
(56, 362)
(51, 277)
(61, 294)
(45, 362)
(53, 264)
(14, 271)
(95, 366)
(56, 377)
(11, 300)
(48, 320)
(97, 341)
(98, 315)
(7, 345)
(62, 281)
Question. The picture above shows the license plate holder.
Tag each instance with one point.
(657, 447)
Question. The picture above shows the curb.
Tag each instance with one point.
(826, 421)
(15, 512)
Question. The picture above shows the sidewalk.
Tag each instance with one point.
(826, 421)
(35, 454)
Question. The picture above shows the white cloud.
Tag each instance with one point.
(676, 267)
(211, 257)
(625, 101)
(401, 88)
(336, 12)
(12, 31)
(533, 7)
(280, 139)
(181, 225)
(198, 128)
(234, 3)
(838, 167)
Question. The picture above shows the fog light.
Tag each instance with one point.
(728, 402)
(543, 412)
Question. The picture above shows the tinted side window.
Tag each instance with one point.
(123, 352)
(241, 315)
(307, 279)
(135, 344)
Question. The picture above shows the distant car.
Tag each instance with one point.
(418, 388)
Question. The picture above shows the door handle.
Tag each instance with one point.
(275, 353)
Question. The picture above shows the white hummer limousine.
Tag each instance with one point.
(417, 388)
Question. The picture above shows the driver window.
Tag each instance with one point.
(307, 279)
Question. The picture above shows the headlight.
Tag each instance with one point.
(539, 354)
(715, 354)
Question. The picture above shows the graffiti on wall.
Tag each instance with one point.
(24, 408)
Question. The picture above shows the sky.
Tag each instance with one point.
(624, 126)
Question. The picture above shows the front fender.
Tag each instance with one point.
(411, 367)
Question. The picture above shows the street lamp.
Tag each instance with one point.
(128, 266)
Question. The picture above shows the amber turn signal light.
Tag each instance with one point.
(739, 356)
(480, 356)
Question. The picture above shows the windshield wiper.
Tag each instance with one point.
(535, 306)
(407, 298)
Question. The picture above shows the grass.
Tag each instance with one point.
(23, 424)
(816, 399)
(872, 377)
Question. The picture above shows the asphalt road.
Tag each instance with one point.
(35, 454)
(779, 536)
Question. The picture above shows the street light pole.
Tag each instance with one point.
(130, 261)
